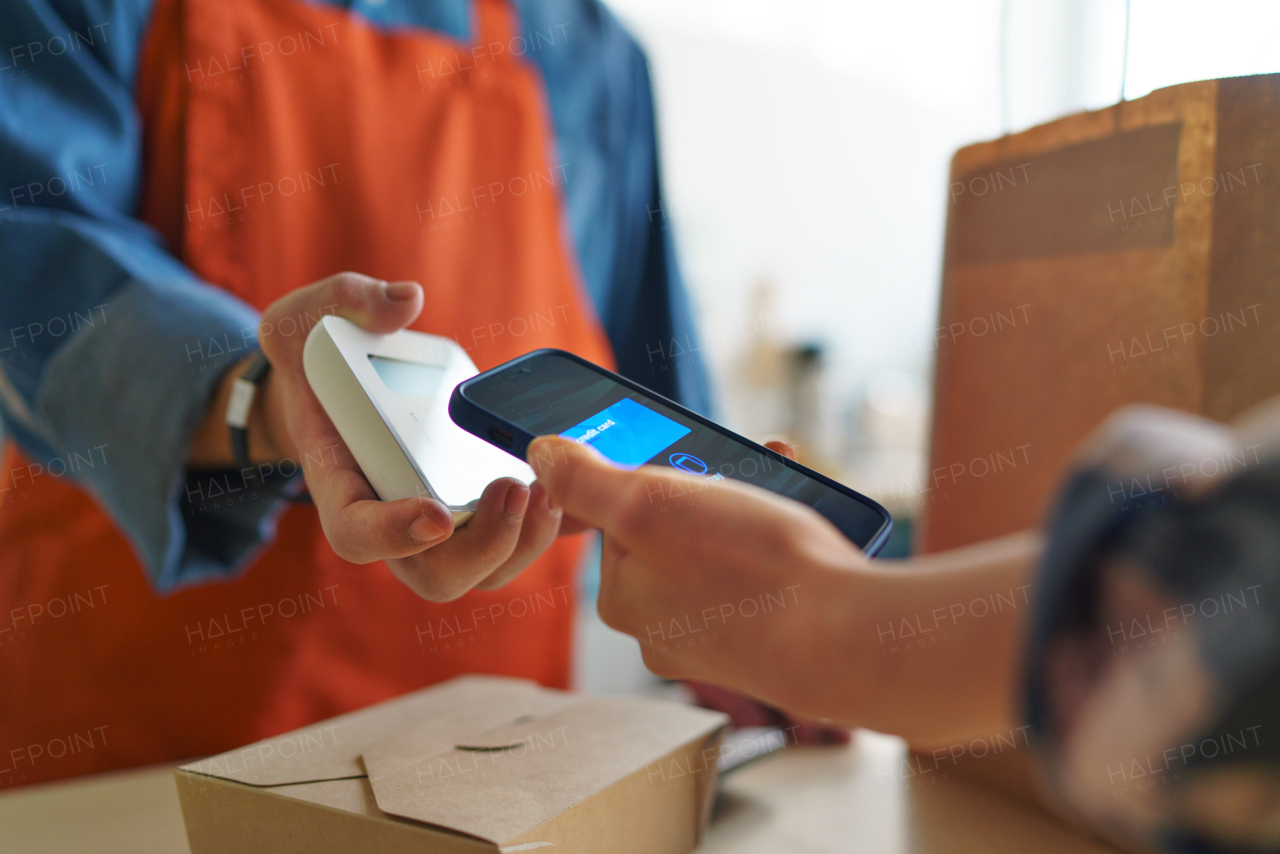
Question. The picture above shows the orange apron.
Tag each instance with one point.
(284, 142)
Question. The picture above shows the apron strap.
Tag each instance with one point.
(496, 22)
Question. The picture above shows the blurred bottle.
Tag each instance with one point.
(757, 393)
(812, 421)
(886, 453)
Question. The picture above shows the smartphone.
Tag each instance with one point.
(551, 391)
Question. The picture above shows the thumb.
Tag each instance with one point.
(584, 483)
(371, 303)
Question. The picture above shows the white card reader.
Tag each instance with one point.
(388, 395)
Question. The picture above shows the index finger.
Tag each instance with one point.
(360, 528)
(577, 479)
(589, 487)
(363, 529)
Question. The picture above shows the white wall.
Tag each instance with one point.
(808, 141)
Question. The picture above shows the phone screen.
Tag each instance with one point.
(549, 393)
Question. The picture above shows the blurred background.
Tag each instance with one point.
(805, 150)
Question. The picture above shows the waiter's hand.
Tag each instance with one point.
(415, 536)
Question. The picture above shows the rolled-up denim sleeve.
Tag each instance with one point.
(1153, 668)
(110, 349)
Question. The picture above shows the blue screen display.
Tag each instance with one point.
(627, 434)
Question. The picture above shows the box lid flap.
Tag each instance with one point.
(330, 750)
(499, 782)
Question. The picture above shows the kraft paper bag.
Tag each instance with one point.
(1126, 255)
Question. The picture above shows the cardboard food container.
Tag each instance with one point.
(475, 764)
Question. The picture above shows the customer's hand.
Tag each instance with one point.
(746, 711)
(719, 582)
(726, 583)
(415, 536)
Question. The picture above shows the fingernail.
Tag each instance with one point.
(517, 500)
(424, 529)
(401, 291)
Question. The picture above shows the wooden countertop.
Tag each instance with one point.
(800, 801)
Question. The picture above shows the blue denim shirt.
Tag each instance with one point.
(96, 315)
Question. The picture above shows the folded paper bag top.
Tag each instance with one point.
(502, 762)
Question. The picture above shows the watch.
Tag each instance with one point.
(243, 390)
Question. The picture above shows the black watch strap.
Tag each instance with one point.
(243, 391)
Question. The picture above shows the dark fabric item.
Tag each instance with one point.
(1153, 666)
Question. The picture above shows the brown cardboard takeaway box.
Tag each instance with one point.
(475, 764)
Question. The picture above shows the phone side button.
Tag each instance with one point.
(500, 437)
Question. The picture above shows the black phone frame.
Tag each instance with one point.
(513, 439)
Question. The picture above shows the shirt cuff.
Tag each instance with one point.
(130, 392)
